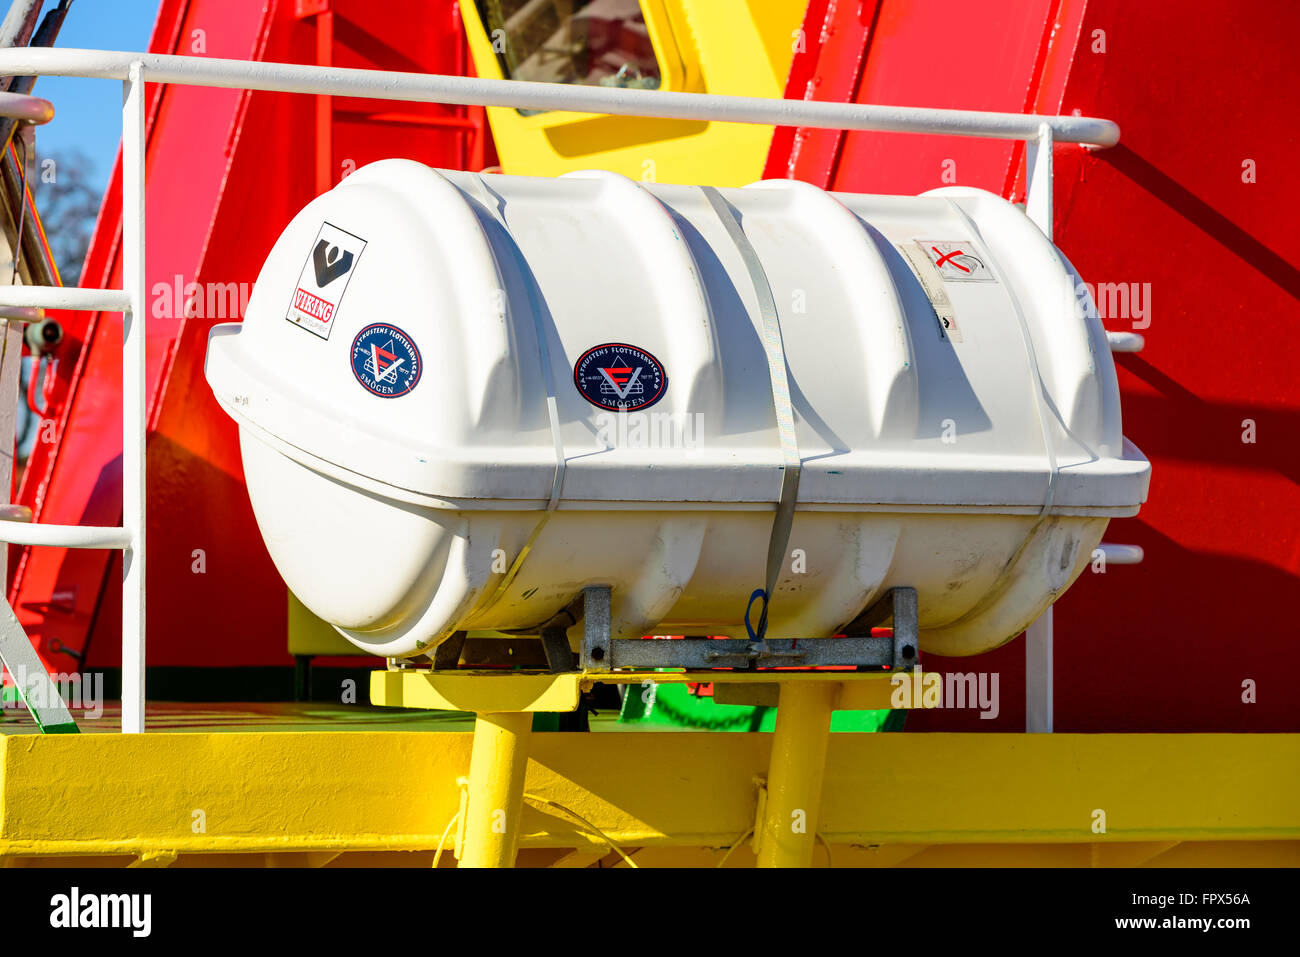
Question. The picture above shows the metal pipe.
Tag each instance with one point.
(1121, 554)
(15, 532)
(788, 832)
(19, 22)
(44, 36)
(133, 399)
(35, 258)
(1126, 341)
(520, 94)
(20, 108)
(496, 788)
(65, 297)
(25, 108)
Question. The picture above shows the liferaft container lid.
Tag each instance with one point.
(476, 341)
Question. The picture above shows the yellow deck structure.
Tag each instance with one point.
(317, 785)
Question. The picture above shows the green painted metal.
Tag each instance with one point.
(31, 682)
(674, 705)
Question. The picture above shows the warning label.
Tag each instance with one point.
(956, 261)
(324, 279)
(927, 274)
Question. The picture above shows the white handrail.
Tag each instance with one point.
(17, 532)
(64, 297)
(521, 94)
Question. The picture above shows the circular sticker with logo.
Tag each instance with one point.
(620, 377)
(385, 360)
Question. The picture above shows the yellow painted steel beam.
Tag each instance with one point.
(474, 691)
(485, 691)
(887, 798)
(1190, 854)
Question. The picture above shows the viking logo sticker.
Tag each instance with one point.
(323, 280)
(386, 361)
(330, 262)
(620, 377)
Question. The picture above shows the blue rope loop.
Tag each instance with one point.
(761, 631)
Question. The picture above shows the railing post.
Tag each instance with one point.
(1038, 674)
(133, 400)
(1038, 180)
(1038, 636)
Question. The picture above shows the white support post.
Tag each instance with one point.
(11, 360)
(133, 400)
(1038, 674)
(1038, 180)
(1038, 636)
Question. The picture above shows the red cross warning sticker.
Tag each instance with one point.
(959, 261)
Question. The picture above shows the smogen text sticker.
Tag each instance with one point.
(386, 361)
(324, 278)
(620, 377)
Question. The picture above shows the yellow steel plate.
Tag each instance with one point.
(889, 798)
(474, 691)
(528, 691)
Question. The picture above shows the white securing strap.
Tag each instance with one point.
(1041, 400)
(492, 202)
(776, 368)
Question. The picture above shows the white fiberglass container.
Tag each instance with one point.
(955, 404)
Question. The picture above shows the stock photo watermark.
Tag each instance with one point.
(930, 689)
(650, 430)
(78, 692)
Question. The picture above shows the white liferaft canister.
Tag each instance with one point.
(463, 397)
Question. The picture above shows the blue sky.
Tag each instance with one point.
(88, 113)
